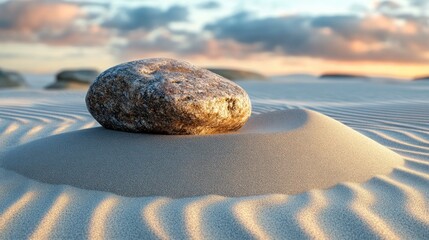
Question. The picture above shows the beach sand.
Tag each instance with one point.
(391, 205)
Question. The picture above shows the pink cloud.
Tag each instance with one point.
(49, 22)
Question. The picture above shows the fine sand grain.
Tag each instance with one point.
(387, 206)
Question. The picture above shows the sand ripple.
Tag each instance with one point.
(387, 207)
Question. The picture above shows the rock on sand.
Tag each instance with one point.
(74, 79)
(167, 96)
(9, 79)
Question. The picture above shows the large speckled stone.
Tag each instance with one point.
(167, 96)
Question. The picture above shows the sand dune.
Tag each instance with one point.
(287, 152)
(386, 206)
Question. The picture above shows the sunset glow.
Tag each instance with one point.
(384, 38)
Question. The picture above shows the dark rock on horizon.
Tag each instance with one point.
(167, 96)
(234, 74)
(74, 79)
(11, 79)
(424, 78)
(342, 75)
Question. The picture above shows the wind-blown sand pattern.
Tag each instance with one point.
(389, 206)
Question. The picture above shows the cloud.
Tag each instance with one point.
(209, 5)
(76, 23)
(37, 15)
(144, 17)
(340, 37)
(387, 5)
(385, 33)
(419, 3)
(179, 43)
(49, 22)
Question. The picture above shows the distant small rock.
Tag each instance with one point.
(74, 79)
(341, 75)
(167, 96)
(234, 74)
(11, 79)
(424, 78)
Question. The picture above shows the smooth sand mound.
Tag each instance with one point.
(279, 152)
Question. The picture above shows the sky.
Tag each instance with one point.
(273, 37)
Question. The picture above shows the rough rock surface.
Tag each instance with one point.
(167, 96)
(10, 79)
(74, 79)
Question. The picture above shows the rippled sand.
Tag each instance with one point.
(388, 206)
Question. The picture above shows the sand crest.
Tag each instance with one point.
(288, 152)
